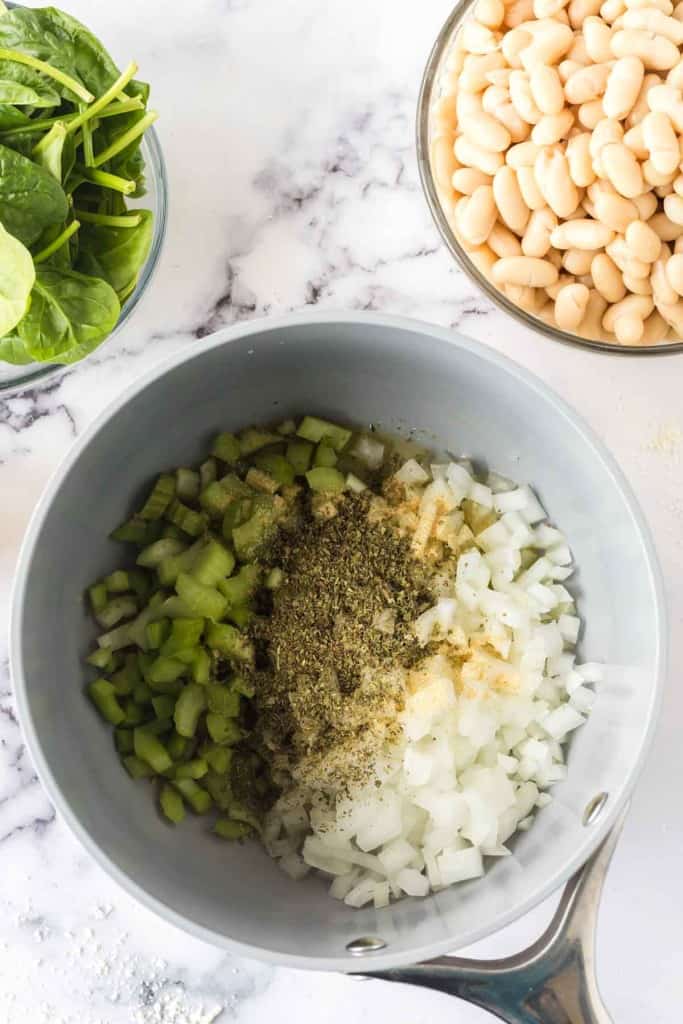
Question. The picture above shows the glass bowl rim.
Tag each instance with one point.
(427, 86)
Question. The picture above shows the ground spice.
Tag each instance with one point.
(329, 682)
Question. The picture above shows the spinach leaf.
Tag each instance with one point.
(48, 152)
(10, 117)
(30, 78)
(17, 276)
(23, 95)
(30, 198)
(69, 313)
(13, 350)
(116, 254)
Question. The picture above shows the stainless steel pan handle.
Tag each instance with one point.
(553, 981)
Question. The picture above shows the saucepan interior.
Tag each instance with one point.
(403, 376)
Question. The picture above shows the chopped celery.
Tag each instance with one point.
(194, 769)
(185, 634)
(251, 440)
(171, 803)
(103, 696)
(299, 454)
(159, 498)
(101, 658)
(158, 726)
(235, 486)
(165, 670)
(164, 705)
(236, 514)
(137, 531)
(207, 473)
(117, 582)
(123, 740)
(215, 499)
(203, 601)
(244, 686)
(135, 714)
(142, 693)
(222, 729)
(171, 532)
(218, 758)
(98, 597)
(286, 428)
(125, 680)
(151, 750)
(137, 768)
(240, 614)
(229, 641)
(175, 608)
(243, 585)
(214, 562)
(201, 666)
(325, 455)
(152, 556)
(253, 536)
(313, 429)
(156, 633)
(227, 448)
(220, 787)
(178, 746)
(186, 519)
(322, 478)
(187, 484)
(261, 481)
(199, 800)
(189, 706)
(238, 812)
(115, 610)
(276, 466)
(222, 700)
(172, 565)
(355, 484)
(227, 829)
(140, 582)
(274, 578)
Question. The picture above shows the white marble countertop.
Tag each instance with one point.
(288, 132)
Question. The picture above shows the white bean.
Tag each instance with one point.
(471, 155)
(623, 85)
(443, 161)
(493, 97)
(467, 179)
(579, 10)
(552, 128)
(518, 128)
(518, 12)
(653, 177)
(638, 306)
(570, 306)
(641, 108)
(622, 169)
(548, 8)
(597, 35)
(522, 100)
(646, 204)
(566, 69)
(655, 329)
(479, 39)
(487, 132)
(662, 143)
(643, 241)
(579, 159)
(546, 89)
(590, 114)
(656, 52)
(490, 13)
(667, 100)
(662, 5)
(526, 271)
(552, 174)
(483, 259)
(675, 76)
(678, 185)
(522, 155)
(581, 234)
(468, 104)
(587, 84)
(508, 197)
(502, 241)
(637, 285)
(549, 46)
(625, 260)
(635, 141)
(674, 316)
(562, 282)
(655, 21)
(577, 261)
(473, 77)
(536, 241)
(611, 10)
(673, 208)
(591, 325)
(523, 296)
(606, 278)
(667, 230)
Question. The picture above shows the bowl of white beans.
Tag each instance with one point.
(550, 146)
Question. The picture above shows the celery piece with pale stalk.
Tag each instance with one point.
(103, 695)
(187, 484)
(326, 480)
(123, 741)
(207, 473)
(178, 746)
(156, 633)
(171, 803)
(171, 566)
(194, 769)
(98, 597)
(201, 666)
(233, 830)
(218, 758)
(223, 700)
(165, 670)
(299, 455)
(222, 729)
(199, 800)
(101, 658)
(205, 602)
(240, 614)
(227, 448)
(251, 440)
(136, 767)
(237, 513)
(164, 705)
(185, 635)
(213, 563)
(185, 518)
(115, 610)
(229, 641)
(276, 466)
(151, 750)
(215, 499)
(251, 538)
(189, 706)
(117, 582)
(325, 455)
(153, 555)
(137, 531)
(313, 429)
(142, 693)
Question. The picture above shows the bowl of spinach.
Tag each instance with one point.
(82, 192)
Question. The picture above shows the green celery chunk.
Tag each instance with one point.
(165, 670)
(178, 746)
(199, 800)
(171, 803)
(194, 769)
(207, 473)
(175, 608)
(222, 729)
(98, 597)
(238, 812)
(286, 428)
(171, 532)
(152, 556)
(171, 566)
(240, 614)
(219, 785)
(213, 563)
(241, 587)
(151, 750)
(229, 641)
(253, 536)
(237, 513)
(125, 680)
(136, 767)
(118, 608)
(233, 830)
(313, 429)
(223, 700)
(123, 740)
(299, 455)
(325, 455)
(140, 582)
(322, 478)
(186, 519)
(251, 440)
(103, 696)
(201, 666)
(189, 706)
(135, 713)
(101, 658)
(137, 531)
(227, 448)
(274, 578)
(203, 601)
(214, 499)
(218, 758)
(156, 633)
(276, 466)
(164, 705)
(185, 634)
(232, 483)
(159, 498)
(244, 686)
(117, 582)
(142, 693)
(261, 481)
(158, 726)
(187, 484)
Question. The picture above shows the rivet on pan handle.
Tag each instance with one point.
(553, 981)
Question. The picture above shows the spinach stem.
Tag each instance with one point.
(124, 140)
(108, 220)
(105, 99)
(88, 151)
(55, 132)
(40, 125)
(107, 180)
(59, 241)
(58, 76)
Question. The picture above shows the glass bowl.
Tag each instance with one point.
(430, 91)
(13, 378)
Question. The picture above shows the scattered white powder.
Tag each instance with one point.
(666, 440)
